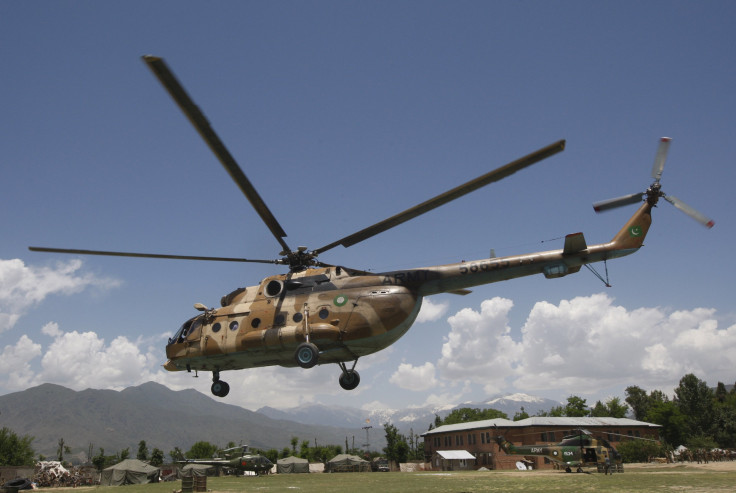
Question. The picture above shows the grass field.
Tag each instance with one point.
(691, 478)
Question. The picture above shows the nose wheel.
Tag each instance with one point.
(349, 379)
(219, 388)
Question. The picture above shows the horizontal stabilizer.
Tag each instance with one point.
(574, 243)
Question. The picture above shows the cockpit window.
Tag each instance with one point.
(187, 328)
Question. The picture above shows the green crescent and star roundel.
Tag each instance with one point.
(340, 300)
(635, 231)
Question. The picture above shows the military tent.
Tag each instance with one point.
(129, 471)
(347, 463)
(292, 465)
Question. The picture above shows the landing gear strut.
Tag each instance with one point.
(219, 388)
(349, 379)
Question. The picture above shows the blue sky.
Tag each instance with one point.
(342, 114)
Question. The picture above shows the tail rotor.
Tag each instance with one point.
(654, 192)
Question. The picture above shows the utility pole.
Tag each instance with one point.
(367, 443)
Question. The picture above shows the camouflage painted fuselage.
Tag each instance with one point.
(348, 314)
(575, 450)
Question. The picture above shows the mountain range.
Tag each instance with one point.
(166, 419)
(416, 419)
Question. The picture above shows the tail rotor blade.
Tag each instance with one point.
(618, 202)
(705, 221)
(660, 158)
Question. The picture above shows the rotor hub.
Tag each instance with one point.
(654, 192)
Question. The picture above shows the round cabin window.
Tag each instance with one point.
(216, 327)
(234, 325)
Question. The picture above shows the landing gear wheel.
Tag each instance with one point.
(220, 388)
(349, 379)
(306, 355)
(567, 469)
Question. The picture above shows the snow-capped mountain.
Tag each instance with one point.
(416, 419)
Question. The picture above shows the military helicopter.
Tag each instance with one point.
(237, 459)
(581, 449)
(319, 313)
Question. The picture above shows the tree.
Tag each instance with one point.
(271, 454)
(62, 450)
(724, 422)
(721, 392)
(639, 450)
(555, 412)
(304, 449)
(15, 450)
(637, 399)
(599, 410)
(176, 454)
(142, 451)
(467, 414)
(396, 448)
(576, 407)
(294, 442)
(521, 414)
(99, 460)
(695, 400)
(125, 453)
(201, 450)
(615, 408)
(673, 422)
(157, 457)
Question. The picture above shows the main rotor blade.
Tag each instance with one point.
(197, 118)
(148, 255)
(705, 221)
(618, 202)
(660, 158)
(446, 197)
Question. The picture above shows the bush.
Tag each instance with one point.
(640, 450)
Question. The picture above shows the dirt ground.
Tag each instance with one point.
(679, 467)
(728, 465)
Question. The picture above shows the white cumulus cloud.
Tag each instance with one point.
(584, 345)
(15, 364)
(22, 286)
(588, 343)
(431, 311)
(479, 346)
(414, 377)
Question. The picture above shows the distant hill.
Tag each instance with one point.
(152, 412)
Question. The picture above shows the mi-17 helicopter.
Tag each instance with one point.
(238, 459)
(319, 313)
(581, 449)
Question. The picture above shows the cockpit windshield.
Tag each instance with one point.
(187, 328)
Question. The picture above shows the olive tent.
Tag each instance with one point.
(129, 471)
(292, 465)
(347, 463)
